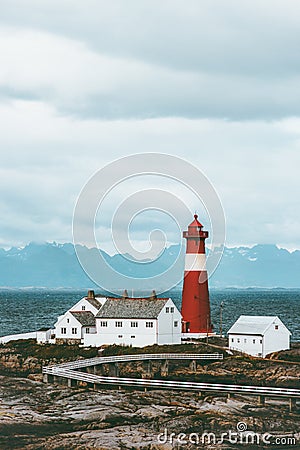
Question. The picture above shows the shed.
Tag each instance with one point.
(259, 335)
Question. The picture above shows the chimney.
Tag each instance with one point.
(91, 294)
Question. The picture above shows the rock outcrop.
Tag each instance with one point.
(39, 416)
(35, 416)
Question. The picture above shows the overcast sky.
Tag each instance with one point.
(84, 83)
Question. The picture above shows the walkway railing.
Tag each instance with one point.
(170, 384)
(140, 357)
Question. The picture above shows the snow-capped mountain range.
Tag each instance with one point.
(55, 265)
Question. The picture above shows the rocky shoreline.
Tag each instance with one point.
(37, 416)
(34, 415)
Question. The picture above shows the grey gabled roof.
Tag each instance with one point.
(132, 308)
(253, 324)
(86, 318)
(94, 302)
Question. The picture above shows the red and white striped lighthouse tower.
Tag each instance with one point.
(195, 307)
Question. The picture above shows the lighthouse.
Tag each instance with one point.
(195, 307)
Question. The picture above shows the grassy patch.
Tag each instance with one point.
(113, 350)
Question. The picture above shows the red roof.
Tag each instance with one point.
(195, 222)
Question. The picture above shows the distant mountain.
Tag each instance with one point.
(259, 266)
(55, 265)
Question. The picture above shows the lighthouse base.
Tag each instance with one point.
(185, 336)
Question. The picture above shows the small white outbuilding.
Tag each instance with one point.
(259, 335)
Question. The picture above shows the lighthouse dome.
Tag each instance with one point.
(196, 222)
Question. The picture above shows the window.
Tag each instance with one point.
(103, 323)
(276, 327)
(175, 323)
(134, 324)
(245, 341)
(172, 309)
(63, 331)
(83, 307)
(149, 324)
(167, 309)
(260, 341)
(119, 324)
(87, 330)
(74, 330)
(132, 337)
(253, 341)
(120, 336)
(232, 339)
(68, 320)
(238, 340)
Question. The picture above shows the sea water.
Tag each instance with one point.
(25, 310)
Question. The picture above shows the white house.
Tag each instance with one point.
(137, 322)
(78, 320)
(73, 326)
(259, 335)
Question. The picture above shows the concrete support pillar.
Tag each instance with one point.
(261, 400)
(46, 378)
(114, 370)
(72, 383)
(229, 395)
(164, 370)
(193, 365)
(149, 368)
(292, 404)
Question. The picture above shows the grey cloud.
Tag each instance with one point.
(98, 80)
(249, 37)
(193, 59)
